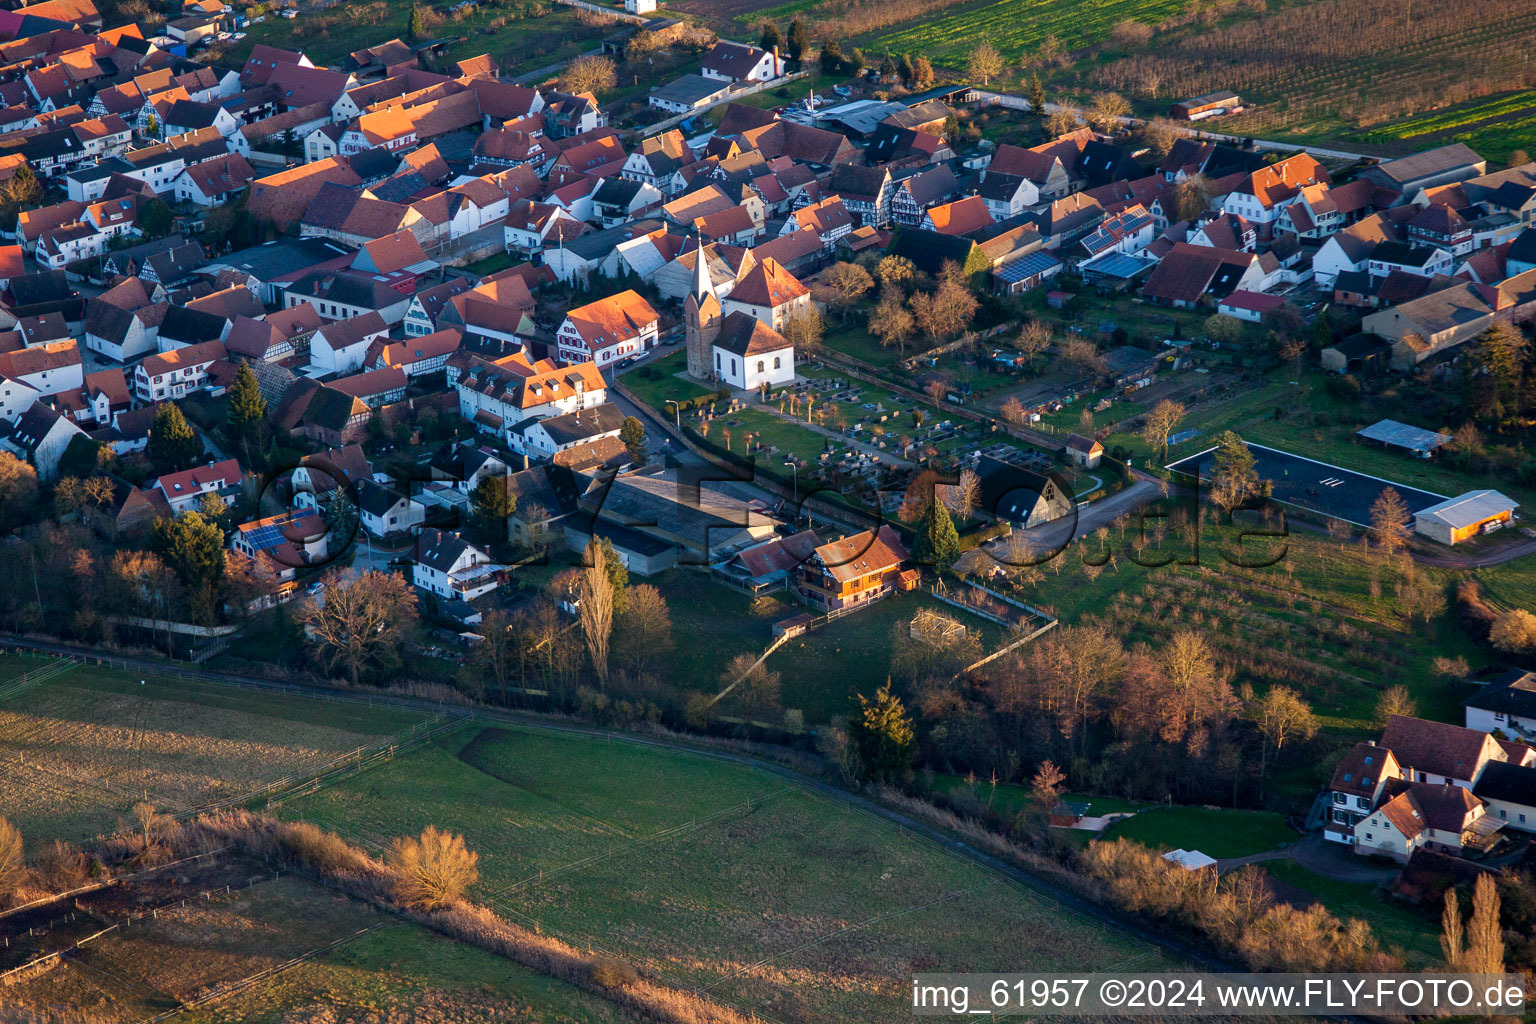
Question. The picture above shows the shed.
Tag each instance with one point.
(1465, 516)
(1393, 434)
(1190, 860)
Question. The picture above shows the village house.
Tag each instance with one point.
(770, 293)
(172, 375)
(495, 396)
(185, 490)
(855, 571)
(609, 329)
(448, 566)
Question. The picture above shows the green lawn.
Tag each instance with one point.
(1015, 27)
(823, 670)
(493, 264)
(663, 382)
(1412, 934)
(853, 340)
(712, 874)
(1215, 832)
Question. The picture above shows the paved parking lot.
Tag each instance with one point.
(1316, 486)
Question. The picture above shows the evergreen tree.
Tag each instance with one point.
(831, 57)
(493, 504)
(904, 70)
(632, 433)
(771, 36)
(1036, 94)
(173, 445)
(418, 27)
(855, 62)
(246, 406)
(888, 66)
(881, 732)
(193, 546)
(799, 41)
(938, 544)
(156, 218)
(1322, 331)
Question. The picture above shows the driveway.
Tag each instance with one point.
(1339, 863)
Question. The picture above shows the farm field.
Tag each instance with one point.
(1494, 127)
(78, 750)
(1015, 27)
(1335, 71)
(711, 874)
(382, 966)
(521, 35)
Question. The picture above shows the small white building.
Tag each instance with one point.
(748, 354)
(639, 6)
(1507, 705)
(383, 511)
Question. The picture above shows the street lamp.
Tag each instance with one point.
(796, 471)
(677, 414)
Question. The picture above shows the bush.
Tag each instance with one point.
(612, 973)
(434, 870)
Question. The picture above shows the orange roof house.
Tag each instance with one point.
(607, 329)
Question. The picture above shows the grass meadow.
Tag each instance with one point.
(712, 875)
(77, 750)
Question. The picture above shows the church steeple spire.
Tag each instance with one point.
(701, 318)
(702, 285)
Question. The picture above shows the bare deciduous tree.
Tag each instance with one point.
(1389, 521)
(1395, 700)
(1485, 934)
(597, 609)
(1034, 338)
(359, 620)
(1160, 423)
(962, 498)
(1514, 630)
(589, 73)
(433, 870)
(645, 627)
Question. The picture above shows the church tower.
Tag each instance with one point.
(701, 319)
